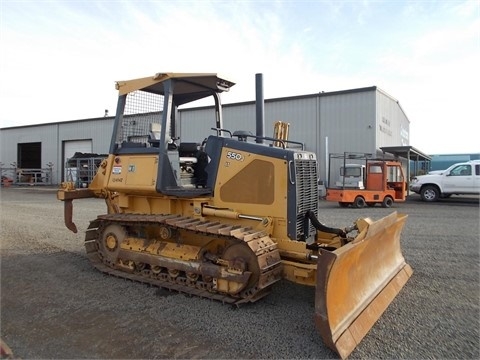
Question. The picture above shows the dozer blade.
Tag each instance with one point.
(357, 282)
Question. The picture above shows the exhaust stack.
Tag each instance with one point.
(260, 108)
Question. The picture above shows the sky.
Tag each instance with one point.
(59, 60)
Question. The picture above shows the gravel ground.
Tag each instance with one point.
(54, 305)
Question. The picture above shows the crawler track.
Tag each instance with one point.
(248, 240)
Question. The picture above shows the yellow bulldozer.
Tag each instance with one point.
(227, 217)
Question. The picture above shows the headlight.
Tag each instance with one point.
(414, 180)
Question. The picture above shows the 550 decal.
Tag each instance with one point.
(234, 156)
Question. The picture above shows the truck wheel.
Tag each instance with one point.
(359, 202)
(429, 193)
(387, 202)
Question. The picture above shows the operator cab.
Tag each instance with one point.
(145, 123)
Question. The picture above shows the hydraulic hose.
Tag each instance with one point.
(310, 215)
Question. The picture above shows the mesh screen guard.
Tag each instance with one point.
(142, 109)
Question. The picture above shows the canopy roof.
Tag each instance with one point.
(187, 86)
(411, 154)
(407, 152)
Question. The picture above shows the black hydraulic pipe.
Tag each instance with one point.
(310, 215)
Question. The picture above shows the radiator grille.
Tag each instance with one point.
(307, 193)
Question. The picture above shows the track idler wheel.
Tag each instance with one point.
(109, 243)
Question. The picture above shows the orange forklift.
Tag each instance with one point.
(365, 181)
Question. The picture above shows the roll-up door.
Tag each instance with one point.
(69, 149)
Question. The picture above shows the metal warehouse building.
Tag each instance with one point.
(364, 120)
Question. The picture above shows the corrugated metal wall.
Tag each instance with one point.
(301, 113)
(393, 126)
(359, 120)
(99, 131)
(52, 138)
(45, 134)
(348, 121)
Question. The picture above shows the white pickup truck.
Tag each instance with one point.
(461, 178)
